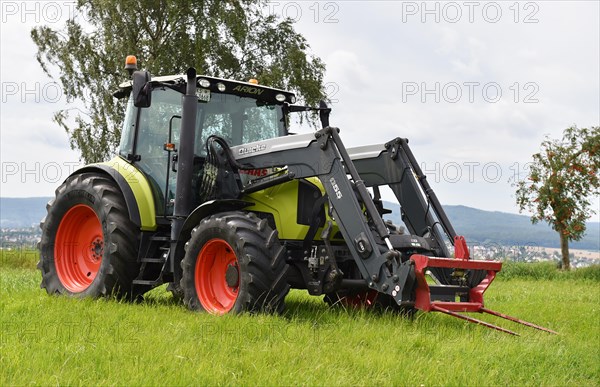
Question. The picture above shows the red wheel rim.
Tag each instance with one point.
(217, 276)
(78, 249)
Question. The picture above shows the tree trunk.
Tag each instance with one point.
(564, 249)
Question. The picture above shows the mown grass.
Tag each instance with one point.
(547, 271)
(62, 341)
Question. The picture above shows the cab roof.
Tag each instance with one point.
(245, 89)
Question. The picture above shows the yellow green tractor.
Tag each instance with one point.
(211, 194)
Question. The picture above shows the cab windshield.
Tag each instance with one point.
(238, 120)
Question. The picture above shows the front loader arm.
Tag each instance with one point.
(323, 155)
(394, 164)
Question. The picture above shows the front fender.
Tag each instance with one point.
(210, 208)
(134, 187)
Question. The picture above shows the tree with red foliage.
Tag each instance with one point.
(562, 183)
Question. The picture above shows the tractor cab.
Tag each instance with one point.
(238, 112)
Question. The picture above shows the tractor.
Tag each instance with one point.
(211, 194)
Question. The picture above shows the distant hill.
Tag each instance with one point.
(476, 225)
(508, 229)
(22, 212)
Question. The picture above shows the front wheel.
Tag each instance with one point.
(234, 263)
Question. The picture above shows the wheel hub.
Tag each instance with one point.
(232, 276)
(97, 249)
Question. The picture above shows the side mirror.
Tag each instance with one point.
(142, 93)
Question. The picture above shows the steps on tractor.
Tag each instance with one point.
(153, 260)
(147, 282)
(152, 267)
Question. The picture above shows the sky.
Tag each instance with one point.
(474, 85)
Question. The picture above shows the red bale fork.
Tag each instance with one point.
(443, 298)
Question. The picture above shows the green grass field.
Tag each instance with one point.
(60, 341)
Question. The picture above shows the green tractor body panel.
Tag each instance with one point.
(282, 202)
(141, 191)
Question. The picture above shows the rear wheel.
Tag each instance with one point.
(367, 299)
(88, 245)
(234, 263)
(352, 299)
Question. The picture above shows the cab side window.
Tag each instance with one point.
(152, 134)
(128, 129)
